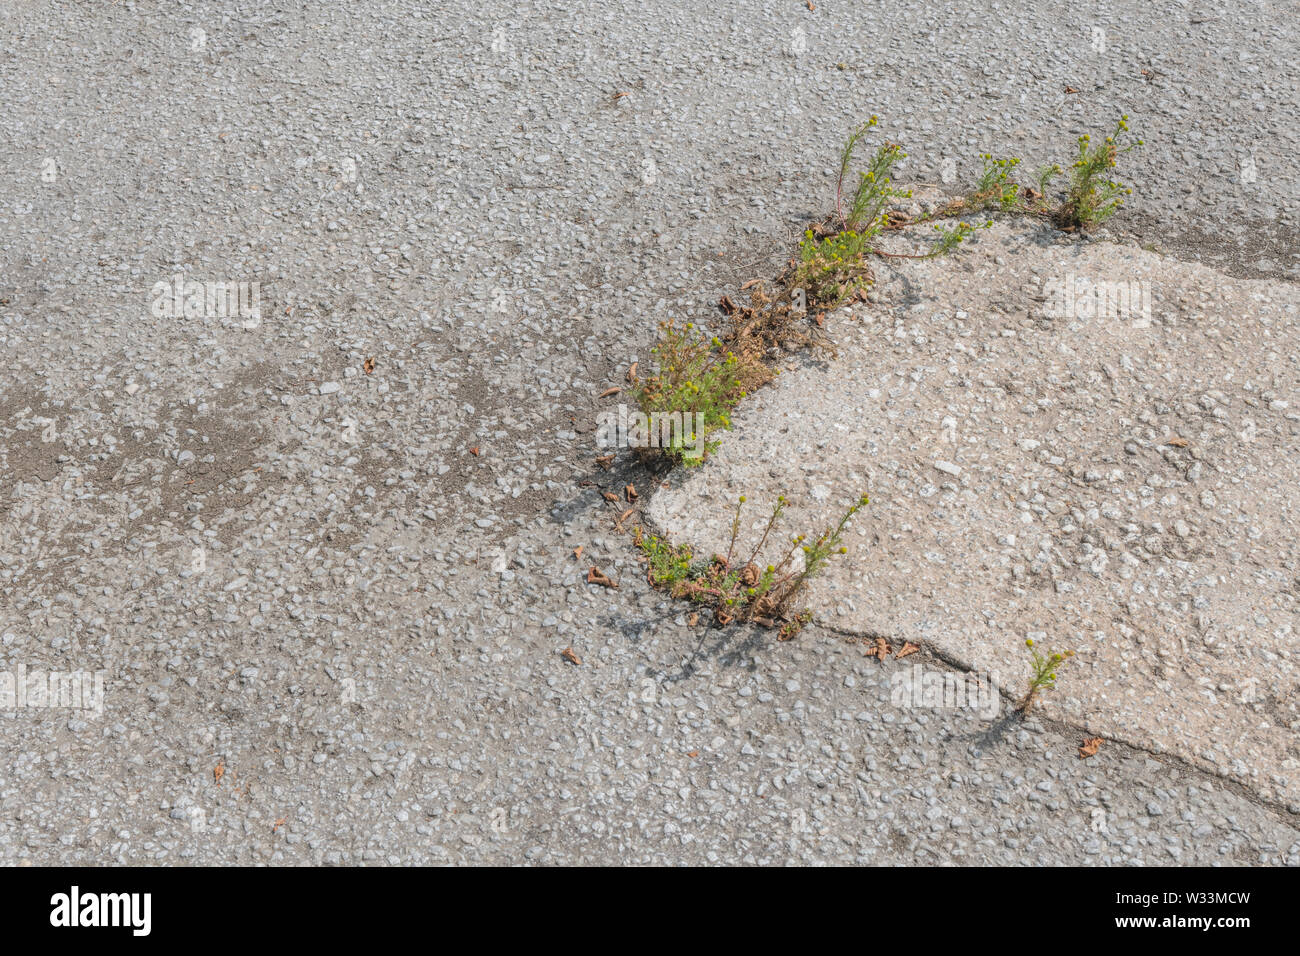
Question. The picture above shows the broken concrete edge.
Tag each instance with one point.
(1182, 282)
(1044, 713)
(1052, 720)
(924, 199)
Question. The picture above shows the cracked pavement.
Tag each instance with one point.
(328, 598)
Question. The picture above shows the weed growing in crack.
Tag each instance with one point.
(1043, 675)
(1043, 177)
(698, 382)
(1091, 198)
(846, 165)
(739, 589)
(875, 192)
(833, 261)
(832, 269)
(995, 188)
(950, 239)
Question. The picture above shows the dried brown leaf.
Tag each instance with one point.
(597, 576)
(878, 649)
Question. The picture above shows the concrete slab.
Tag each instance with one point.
(1079, 441)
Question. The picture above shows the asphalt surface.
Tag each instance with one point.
(329, 598)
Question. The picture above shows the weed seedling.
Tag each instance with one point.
(1043, 675)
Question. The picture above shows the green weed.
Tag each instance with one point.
(1043, 674)
(739, 589)
(697, 384)
(1092, 197)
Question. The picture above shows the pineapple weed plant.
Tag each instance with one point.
(704, 377)
(833, 259)
(738, 589)
(1043, 673)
